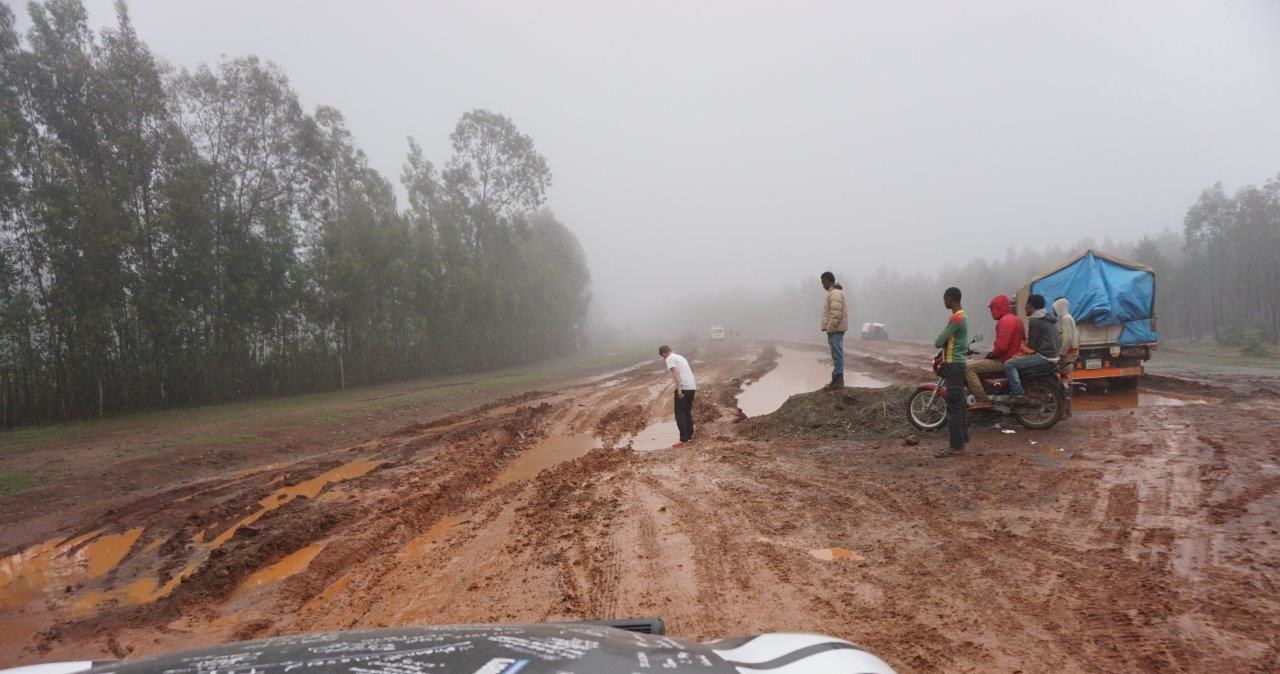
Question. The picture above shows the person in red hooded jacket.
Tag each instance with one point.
(1009, 337)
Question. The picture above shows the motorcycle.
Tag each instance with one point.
(1046, 386)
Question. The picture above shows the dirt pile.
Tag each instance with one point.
(861, 413)
(619, 421)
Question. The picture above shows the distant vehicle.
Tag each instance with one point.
(874, 332)
(1113, 302)
(717, 333)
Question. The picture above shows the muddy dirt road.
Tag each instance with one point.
(1126, 539)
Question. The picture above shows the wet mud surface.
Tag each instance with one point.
(1129, 538)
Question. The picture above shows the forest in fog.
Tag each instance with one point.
(181, 236)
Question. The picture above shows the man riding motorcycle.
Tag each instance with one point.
(1040, 348)
(1010, 336)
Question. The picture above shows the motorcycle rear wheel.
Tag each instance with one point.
(1044, 407)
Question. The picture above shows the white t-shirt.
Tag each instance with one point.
(682, 368)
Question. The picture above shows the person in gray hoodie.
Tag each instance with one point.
(1040, 348)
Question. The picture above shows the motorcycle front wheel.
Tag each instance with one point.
(1044, 407)
(927, 410)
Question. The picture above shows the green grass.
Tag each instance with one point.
(210, 439)
(218, 425)
(1211, 355)
(13, 481)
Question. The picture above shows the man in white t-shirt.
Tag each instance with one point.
(686, 387)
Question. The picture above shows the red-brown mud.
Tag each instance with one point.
(1123, 540)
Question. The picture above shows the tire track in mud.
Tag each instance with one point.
(1154, 550)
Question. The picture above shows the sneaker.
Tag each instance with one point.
(945, 452)
(678, 443)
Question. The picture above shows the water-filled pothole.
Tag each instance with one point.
(543, 455)
(797, 371)
(655, 436)
(1120, 399)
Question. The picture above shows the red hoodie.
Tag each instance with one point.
(1009, 331)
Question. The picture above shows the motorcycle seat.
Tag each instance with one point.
(1038, 370)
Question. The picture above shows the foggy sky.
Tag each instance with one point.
(698, 146)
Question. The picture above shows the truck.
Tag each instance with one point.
(717, 333)
(1113, 303)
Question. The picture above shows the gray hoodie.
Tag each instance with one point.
(1042, 334)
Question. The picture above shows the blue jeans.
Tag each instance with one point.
(1012, 366)
(836, 341)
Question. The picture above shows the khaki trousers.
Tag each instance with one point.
(977, 367)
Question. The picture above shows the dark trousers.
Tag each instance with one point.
(684, 415)
(953, 378)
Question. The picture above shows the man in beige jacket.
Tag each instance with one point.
(835, 321)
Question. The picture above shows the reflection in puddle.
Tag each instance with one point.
(55, 564)
(835, 554)
(291, 564)
(543, 455)
(1119, 399)
(796, 372)
(655, 436)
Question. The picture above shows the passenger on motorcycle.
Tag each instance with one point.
(1010, 336)
(1040, 348)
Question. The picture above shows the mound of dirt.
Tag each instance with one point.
(619, 421)
(861, 413)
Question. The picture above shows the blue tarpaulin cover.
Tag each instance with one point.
(1104, 290)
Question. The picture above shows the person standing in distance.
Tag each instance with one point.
(686, 388)
(954, 342)
(835, 321)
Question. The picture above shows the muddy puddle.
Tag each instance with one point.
(1086, 401)
(419, 545)
(290, 565)
(543, 455)
(28, 575)
(835, 554)
(56, 563)
(797, 371)
(655, 436)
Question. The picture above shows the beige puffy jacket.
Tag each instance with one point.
(834, 316)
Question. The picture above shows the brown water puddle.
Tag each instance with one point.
(655, 436)
(307, 488)
(147, 590)
(1084, 401)
(797, 371)
(835, 554)
(824, 554)
(289, 565)
(543, 455)
(17, 631)
(334, 589)
(415, 547)
(55, 564)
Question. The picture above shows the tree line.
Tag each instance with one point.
(1217, 278)
(184, 236)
